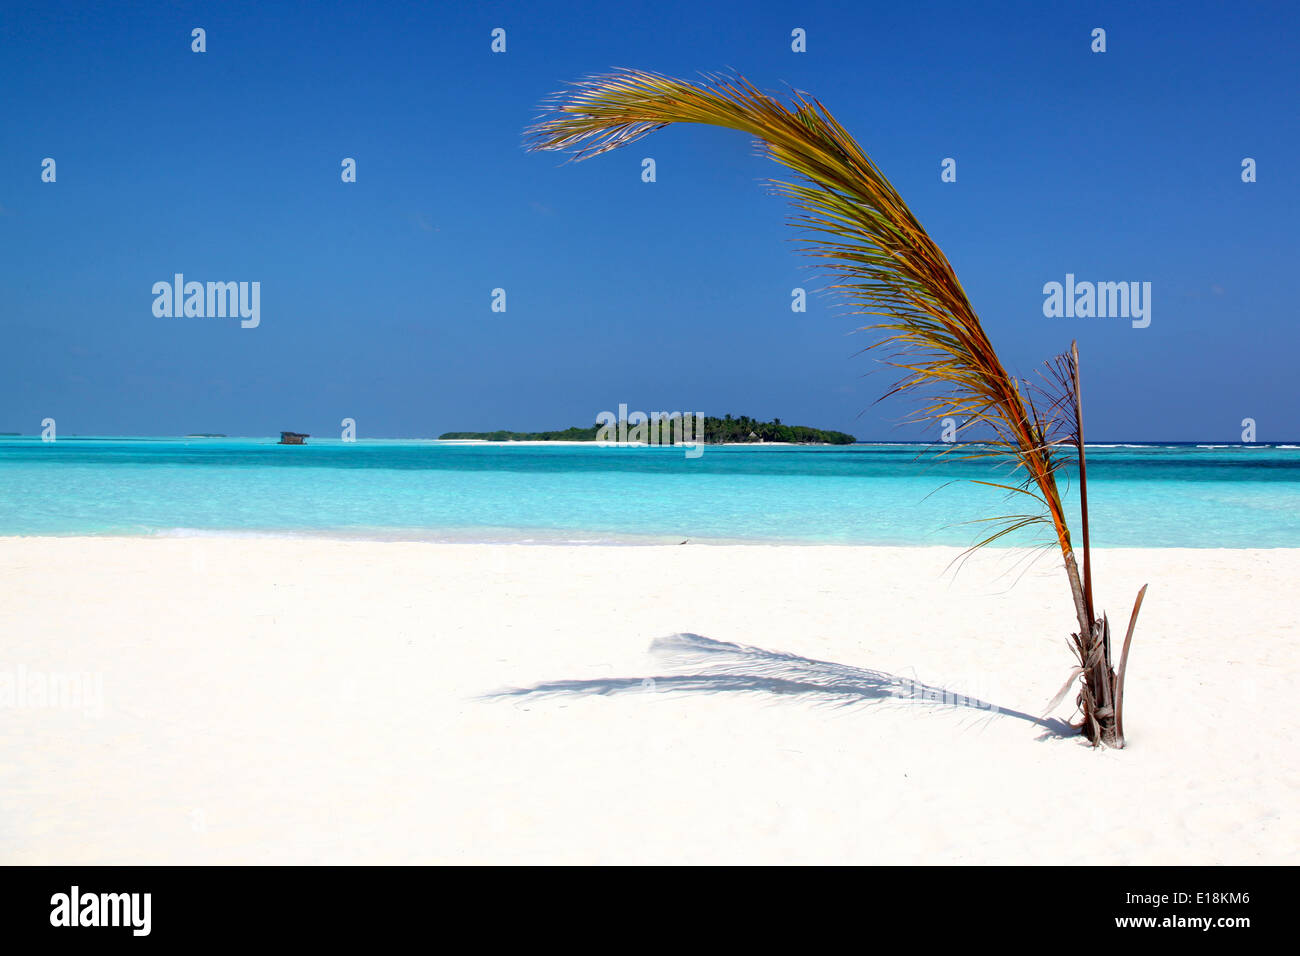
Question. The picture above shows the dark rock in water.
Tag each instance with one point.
(292, 438)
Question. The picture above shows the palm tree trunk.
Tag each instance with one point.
(1097, 698)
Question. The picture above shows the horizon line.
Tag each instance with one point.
(215, 436)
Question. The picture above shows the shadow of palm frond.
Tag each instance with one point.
(721, 667)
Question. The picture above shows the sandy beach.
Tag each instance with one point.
(281, 700)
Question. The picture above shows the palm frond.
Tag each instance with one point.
(883, 264)
(880, 260)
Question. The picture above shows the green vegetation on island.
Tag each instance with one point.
(569, 434)
(717, 431)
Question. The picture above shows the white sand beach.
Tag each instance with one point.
(279, 700)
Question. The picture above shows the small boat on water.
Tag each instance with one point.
(292, 438)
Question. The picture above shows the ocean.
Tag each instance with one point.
(1174, 495)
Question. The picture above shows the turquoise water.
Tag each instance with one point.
(1151, 496)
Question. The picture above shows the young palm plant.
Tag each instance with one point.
(882, 263)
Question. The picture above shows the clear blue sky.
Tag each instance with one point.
(674, 295)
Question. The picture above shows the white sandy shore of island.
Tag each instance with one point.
(280, 700)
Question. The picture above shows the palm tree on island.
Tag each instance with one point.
(884, 264)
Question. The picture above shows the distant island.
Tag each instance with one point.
(717, 431)
(205, 435)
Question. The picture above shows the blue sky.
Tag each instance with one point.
(673, 295)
